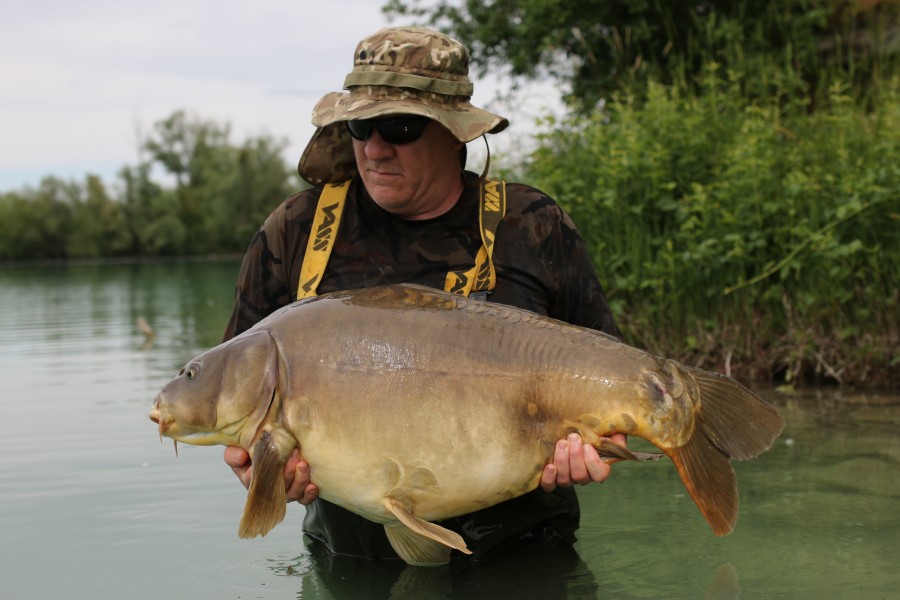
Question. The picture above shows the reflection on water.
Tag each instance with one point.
(556, 573)
(92, 506)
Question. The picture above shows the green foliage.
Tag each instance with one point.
(33, 224)
(221, 194)
(744, 233)
(98, 227)
(789, 47)
(62, 219)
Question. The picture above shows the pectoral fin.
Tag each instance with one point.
(421, 542)
(266, 500)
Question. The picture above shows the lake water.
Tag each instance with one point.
(92, 506)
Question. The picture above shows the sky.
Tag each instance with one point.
(81, 82)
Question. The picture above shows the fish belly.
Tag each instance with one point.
(440, 456)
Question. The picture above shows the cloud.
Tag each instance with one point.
(82, 81)
(81, 78)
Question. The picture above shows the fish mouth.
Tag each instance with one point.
(168, 425)
(179, 432)
(164, 424)
(170, 429)
(156, 417)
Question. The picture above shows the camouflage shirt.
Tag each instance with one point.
(542, 265)
(541, 261)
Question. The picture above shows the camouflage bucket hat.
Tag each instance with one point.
(397, 70)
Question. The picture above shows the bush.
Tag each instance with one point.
(742, 236)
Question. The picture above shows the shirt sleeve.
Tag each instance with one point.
(580, 298)
(544, 264)
(267, 272)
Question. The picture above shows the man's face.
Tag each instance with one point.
(419, 180)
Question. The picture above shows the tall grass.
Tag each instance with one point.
(751, 237)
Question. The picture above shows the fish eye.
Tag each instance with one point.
(189, 371)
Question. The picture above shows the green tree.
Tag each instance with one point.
(152, 214)
(263, 181)
(222, 191)
(37, 222)
(193, 192)
(197, 154)
(98, 224)
(598, 47)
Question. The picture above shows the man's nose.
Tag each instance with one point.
(378, 149)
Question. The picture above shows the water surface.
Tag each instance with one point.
(92, 506)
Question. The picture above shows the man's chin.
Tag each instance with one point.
(385, 195)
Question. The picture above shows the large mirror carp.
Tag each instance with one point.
(413, 405)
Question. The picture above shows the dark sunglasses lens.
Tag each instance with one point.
(398, 130)
(402, 130)
(360, 130)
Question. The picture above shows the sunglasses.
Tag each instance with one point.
(393, 130)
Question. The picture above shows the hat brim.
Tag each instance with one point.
(328, 157)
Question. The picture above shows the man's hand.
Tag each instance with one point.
(296, 474)
(576, 462)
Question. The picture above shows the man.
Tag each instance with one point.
(411, 214)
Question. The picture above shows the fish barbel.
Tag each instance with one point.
(412, 405)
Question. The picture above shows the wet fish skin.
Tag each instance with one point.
(412, 405)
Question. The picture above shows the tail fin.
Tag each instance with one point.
(732, 422)
(735, 419)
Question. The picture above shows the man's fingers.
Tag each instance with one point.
(239, 460)
(309, 494)
(296, 479)
(548, 478)
(597, 468)
(290, 467)
(235, 457)
(578, 471)
(301, 489)
(576, 462)
(561, 461)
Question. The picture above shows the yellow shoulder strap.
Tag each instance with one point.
(321, 237)
(482, 277)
